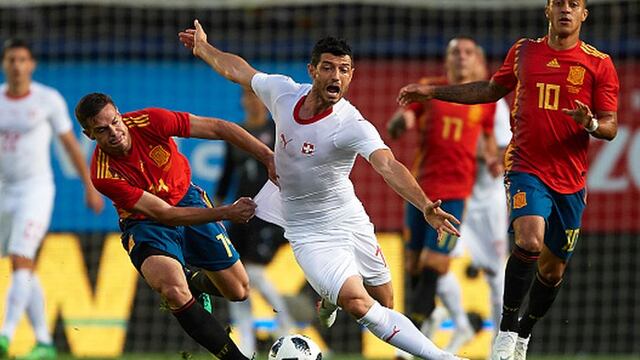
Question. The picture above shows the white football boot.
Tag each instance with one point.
(504, 345)
(520, 352)
(327, 313)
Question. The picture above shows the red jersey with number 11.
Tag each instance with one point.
(546, 142)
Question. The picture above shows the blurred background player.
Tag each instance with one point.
(167, 221)
(31, 115)
(558, 80)
(256, 241)
(485, 228)
(445, 167)
(319, 136)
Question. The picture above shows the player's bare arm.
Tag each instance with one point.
(92, 196)
(404, 184)
(218, 129)
(469, 93)
(231, 66)
(157, 209)
(603, 125)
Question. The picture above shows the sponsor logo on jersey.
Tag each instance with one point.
(553, 63)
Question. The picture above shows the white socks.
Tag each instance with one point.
(17, 300)
(36, 312)
(451, 295)
(397, 330)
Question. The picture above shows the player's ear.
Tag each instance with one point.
(88, 134)
(585, 14)
(312, 71)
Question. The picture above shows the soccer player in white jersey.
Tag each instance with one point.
(31, 114)
(319, 134)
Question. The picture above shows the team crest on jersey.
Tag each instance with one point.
(159, 155)
(576, 75)
(308, 148)
(519, 200)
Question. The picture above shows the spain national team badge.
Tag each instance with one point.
(519, 200)
(576, 75)
(159, 155)
(308, 148)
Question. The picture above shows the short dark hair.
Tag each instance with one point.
(330, 45)
(89, 106)
(15, 43)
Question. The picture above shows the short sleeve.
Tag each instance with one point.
(607, 87)
(501, 126)
(418, 108)
(488, 118)
(359, 136)
(170, 123)
(505, 76)
(123, 194)
(269, 87)
(59, 115)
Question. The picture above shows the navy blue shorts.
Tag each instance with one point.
(528, 195)
(422, 235)
(205, 246)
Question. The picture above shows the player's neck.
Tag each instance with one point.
(18, 90)
(558, 42)
(313, 105)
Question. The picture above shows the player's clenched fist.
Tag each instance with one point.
(242, 210)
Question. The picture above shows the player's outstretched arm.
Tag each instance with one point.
(469, 93)
(159, 210)
(229, 65)
(404, 184)
(216, 129)
(92, 196)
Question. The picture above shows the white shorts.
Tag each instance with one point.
(328, 258)
(25, 214)
(484, 232)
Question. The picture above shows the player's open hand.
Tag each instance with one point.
(440, 220)
(581, 114)
(94, 200)
(194, 38)
(415, 93)
(242, 210)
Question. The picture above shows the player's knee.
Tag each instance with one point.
(530, 243)
(357, 306)
(551, 275)
(176, 294)
(239, 292)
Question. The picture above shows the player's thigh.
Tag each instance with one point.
(564, 224)
(370, 259)
(165, 275)
(326, 264)
(484, 233)
(233, 282)
(30, 220)
(530, 205)
(144, 238)
(206, 246)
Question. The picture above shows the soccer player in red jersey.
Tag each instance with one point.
(166, 221)
(566, 91)
(445, 167)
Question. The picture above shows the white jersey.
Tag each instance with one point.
(26, 128)
(486, 186)
(314, 157)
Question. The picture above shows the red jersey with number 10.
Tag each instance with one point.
(154, 163)
(445, 164)
(546, 142)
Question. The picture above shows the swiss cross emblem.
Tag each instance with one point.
(308, 148)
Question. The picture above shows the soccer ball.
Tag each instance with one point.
(295, 347)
